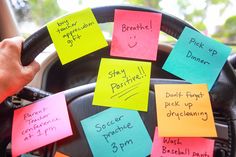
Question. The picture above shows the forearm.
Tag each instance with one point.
(7, 20)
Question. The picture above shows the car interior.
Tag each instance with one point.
(78, 80)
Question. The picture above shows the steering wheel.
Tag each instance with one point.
(79, 99)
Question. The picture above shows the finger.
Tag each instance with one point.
(12, 45)
(31, 70)
(18, 40)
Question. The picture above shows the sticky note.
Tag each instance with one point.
(39, 124)
(184, 110)
(76, 35)
(123, 84)
(117, 132)
(58, 154)
(197, 58)
(135, 34)
(181, 146)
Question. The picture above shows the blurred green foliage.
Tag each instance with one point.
(43, 11)
(147, 3)
(227, 31)
(224, 33)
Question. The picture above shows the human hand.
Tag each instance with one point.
(14, 76)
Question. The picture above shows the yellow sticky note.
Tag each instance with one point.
(58, 154)
(123, 84)
(184, 110)
(76, 35)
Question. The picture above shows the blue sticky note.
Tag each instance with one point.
(197, 58)
(117, 132)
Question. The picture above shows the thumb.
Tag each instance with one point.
(30, 70)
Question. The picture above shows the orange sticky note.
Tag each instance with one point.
(136, 34)
(58, 154)
(39, 124)
(184, 110)
(183, 147)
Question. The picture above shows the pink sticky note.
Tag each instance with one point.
(135, 34)
(184, 146)
(39, 124)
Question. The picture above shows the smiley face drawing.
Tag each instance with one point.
(132, 41)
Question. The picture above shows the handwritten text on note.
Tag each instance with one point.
(123, 84)
(181, 147)
(197, 58)
(76, 35)
(39, 124)
(136, 34)
(184, 110)
(117, 132)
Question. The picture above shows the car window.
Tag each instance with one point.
(214, 18)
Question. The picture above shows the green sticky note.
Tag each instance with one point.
(76, 35)
(197, 58)
(123, 84)
(117, 133)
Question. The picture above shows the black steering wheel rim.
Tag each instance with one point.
(41, 39)
(171, 25)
